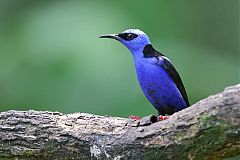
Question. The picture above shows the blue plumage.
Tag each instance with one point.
(159, 80)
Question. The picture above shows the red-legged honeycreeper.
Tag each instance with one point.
(159, 80)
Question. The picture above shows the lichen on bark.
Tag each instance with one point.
(209, 129)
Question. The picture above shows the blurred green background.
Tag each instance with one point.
(51, 58)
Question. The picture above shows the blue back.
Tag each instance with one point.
(159, 80)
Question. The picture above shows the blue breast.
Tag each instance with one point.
(158, 87)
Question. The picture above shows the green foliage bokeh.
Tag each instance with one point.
(51, 58)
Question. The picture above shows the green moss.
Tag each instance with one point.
(230, 151)
(211, 137)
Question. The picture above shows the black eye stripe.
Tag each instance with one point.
(127, 36)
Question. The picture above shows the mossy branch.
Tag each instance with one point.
(209, 129)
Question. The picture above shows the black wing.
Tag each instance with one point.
(176, 78)
(149, 52)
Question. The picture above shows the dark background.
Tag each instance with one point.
(51, 58)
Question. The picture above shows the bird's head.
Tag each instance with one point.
(134, 39)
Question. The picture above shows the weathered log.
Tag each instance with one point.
(209, 129)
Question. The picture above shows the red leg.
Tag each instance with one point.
(134, 117)
(161, 118)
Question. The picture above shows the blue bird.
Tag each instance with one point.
(159, 80)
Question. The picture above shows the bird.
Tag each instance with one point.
(158, 78)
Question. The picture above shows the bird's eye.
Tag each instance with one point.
(127, 36)
(130, 36)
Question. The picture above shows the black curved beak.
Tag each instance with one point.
(111, 36)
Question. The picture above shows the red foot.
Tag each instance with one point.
(161, 118)
(134, 117)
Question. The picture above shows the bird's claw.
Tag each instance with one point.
(135, 121)
(161, 118)
(134, 117)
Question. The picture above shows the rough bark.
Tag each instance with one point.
(209, 129)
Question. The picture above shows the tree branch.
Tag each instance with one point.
(209, 129)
